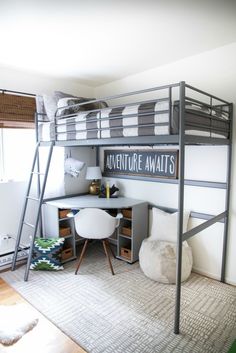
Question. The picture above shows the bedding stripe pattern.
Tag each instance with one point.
(145, 119)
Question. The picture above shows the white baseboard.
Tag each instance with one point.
(213, 276)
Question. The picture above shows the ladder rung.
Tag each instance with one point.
(34, 171)
(29, 224)
(37, 173)
(32, 198)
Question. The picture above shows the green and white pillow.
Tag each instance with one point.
(47, 254)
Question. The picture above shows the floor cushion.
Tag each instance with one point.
(47, 254)
(158, 260)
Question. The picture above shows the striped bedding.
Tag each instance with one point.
(145, 119)
(201, 120)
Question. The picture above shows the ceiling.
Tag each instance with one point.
(96, 42)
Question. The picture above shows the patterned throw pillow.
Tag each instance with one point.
(47, 254)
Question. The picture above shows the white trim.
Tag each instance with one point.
(213, 276)
(206, 273)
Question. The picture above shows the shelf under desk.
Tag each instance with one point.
(138, 222)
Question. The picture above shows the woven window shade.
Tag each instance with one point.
(17, 111)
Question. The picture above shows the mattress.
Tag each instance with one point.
(202, 120)
(144, 119)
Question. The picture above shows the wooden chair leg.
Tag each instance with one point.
(81, 255)
(110, 248)
(107, 255)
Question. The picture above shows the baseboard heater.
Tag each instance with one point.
(7, 247)
(6, 259)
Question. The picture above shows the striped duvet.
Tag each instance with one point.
(144, 119)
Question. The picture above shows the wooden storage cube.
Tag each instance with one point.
(63, 213)
(126, 231)
(66, 253)
(127, 213)
(126, 253)
(64, 231)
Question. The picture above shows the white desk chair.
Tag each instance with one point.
(94, 223)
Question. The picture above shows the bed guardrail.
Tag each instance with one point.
(217, 120)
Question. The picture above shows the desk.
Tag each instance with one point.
(133, 227)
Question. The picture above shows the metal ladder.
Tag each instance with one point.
(39, 200)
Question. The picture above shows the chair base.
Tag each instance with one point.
(81, 255)
(105, 246)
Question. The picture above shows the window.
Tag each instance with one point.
(17, 134)
(16, 153)
(16, 111)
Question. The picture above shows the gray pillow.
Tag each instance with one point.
(89, 106)
(70, 101)
(50, 105)
(59, 95)
(64, 106)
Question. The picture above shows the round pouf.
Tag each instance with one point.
(157, 260)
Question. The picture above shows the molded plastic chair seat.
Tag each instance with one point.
(94, 223)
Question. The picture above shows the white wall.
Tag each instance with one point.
(83, 154)
(38, 84)
(12, 193)
(213, 71)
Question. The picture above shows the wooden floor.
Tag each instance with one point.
(43, 338)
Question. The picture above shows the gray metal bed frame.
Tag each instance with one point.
(181, 140)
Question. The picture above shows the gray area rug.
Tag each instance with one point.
(129, 313)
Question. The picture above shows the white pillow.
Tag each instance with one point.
(50, 105)
(164, 225)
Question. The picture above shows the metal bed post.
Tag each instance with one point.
(100, 135)
(180, 205)
(170, 108)
(97, 156)
(227, 198)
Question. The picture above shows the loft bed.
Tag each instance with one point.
(149, 121)
(171, 115)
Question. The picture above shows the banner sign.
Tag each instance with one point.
(155, 163)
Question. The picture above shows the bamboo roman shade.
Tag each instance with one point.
(17, 111)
